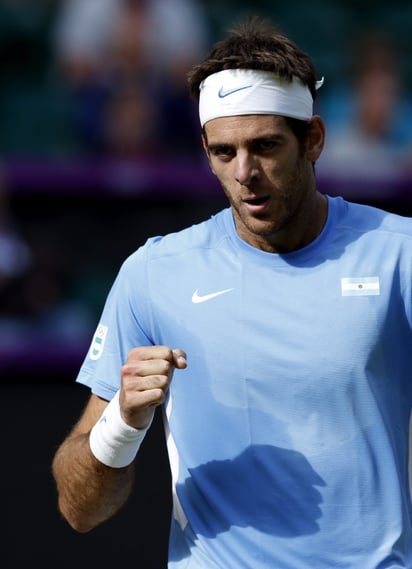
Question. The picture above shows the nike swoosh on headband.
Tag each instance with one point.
(222, 94)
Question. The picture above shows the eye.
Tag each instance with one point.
(266, 144)
(222, 152)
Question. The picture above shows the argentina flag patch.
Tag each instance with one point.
(360, 286)
(97, 346)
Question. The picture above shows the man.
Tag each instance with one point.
(286, 323)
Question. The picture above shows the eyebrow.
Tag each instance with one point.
(276, 137)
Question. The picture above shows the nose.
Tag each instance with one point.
(246, 169)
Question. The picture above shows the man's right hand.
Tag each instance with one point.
(146, 377)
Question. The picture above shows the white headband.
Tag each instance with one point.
(251, 92)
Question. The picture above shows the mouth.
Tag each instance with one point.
(256, 205)
(256, 201)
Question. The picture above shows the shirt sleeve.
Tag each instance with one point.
(125, 323)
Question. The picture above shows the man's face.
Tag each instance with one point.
(266, 175)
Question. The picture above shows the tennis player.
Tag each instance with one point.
(285, 323)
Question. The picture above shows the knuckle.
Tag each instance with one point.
(166, 353)
(162, 381)
(158, 396)
(134, 353)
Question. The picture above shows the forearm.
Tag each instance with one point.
(93, 467)
(89, 492)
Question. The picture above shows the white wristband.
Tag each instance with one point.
(112, 441)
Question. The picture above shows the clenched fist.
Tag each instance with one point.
(146, 377)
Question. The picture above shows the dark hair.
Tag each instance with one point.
(256, 44)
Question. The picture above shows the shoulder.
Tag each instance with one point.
(365, 218)
(206, 235)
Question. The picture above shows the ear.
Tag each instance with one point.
(315, 139)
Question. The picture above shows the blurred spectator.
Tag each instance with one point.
(126, 62)
(129, 121)
(369, 124)
(32, 105)
(34, 300)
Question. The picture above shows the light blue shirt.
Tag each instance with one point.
(288, 431)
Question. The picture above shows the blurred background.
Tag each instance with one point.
(99, 150)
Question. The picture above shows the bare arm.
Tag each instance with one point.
(88, 491)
